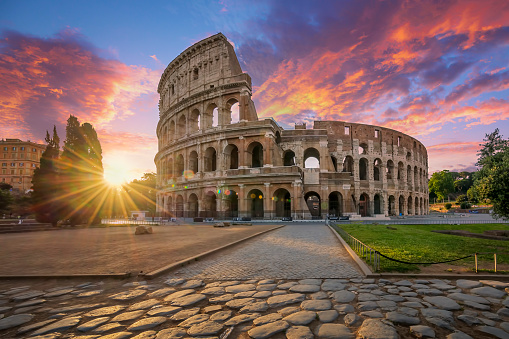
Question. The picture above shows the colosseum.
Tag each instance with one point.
(217, 159)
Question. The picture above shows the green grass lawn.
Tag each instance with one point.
(416, 243)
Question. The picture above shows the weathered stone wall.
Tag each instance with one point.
(211, 166)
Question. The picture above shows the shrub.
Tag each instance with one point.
(461, 198)
(448, 206)
(465, 205)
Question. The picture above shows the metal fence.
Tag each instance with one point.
(423, 222)
(128, 222)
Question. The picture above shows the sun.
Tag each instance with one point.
(117, 174)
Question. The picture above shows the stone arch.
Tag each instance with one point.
(314, 204)
(348, 164)
(179, 164)
(364, 205)
(409, 206)
(232, 107)
(392, 205)
(231, 156)
(378, 204)
(211, 116)
(408, 156)
(165, 135)
(181, 127)
(289, 158)
(401, 205)
(363, 148)
(193, 209)
(282, 203)
(416, 178)
(335, 204)
(416, 206)
(390, 169)
(255, 198)
(193, 162)
(209, 205)
(363, 169)
(210, 159)
(409, 175)
(179, 206)
(170, 173)
(255, 149)
(421, 204)
(231, 204)
(172, 131)
(311, 153)
(401, 169)
(168, 210)
(377, 166)
(194, 121)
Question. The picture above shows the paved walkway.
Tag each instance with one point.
(296, 251)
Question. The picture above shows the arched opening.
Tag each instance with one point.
(193, 206)
(193, 162)
(422, 206)
(179, 206)
(348, 164)
(255, 197)
(378, 204)
(282, 203)
(335, 204)
(390, 169)
(313, 202)
(278, 137)
(215, 117)
(401, 169)
(401, 205)
(409, 175)
(334, 163)
(231, 155)
(231, 202)
(210, 206)
(392, 205)
(376, 169)
(165, 135)
(169, 169)
(210, 159)
(211, 116)
(409, 206)
(168, 211)
(172, 131)
(181, 128)
(179, 165)
(194, 121)
(232, 106)
(417, 209)
(311, 158)
(289, 158)
(408, 156)
(363, 169)
(256, 151)
(363, 149)
(416, 178)
(364, 205)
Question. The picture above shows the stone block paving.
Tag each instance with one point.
(259, 308)
(296, 251)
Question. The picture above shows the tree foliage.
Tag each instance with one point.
(45, 198)
(142, 193)
(492, 180)
(441, 183)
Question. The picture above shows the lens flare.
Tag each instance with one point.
(188, 174)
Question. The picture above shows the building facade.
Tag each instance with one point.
(19, 161)
(216, 162)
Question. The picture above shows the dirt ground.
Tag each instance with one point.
(111, 250)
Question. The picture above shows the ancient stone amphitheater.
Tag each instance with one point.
(217, 159)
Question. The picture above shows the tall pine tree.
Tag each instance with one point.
(45, 197)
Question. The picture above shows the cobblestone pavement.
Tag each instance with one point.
(172, 307)
(296, 251)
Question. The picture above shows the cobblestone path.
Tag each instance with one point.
(296, 251)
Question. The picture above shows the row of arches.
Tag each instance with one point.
(228, 204)
(187, 123)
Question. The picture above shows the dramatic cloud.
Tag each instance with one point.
(461, 152)
(413, 66)
(46, 80)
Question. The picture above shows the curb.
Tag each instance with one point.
(363, 267)
(162, 270)
(67, 276)
(498, 277)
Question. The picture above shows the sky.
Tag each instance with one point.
(436, 70)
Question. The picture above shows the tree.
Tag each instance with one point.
(492, 180)
(441, 183)
(46, 201)
(5, 196)
(142, 192)
(81, 172)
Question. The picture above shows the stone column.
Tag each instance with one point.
(267, 202)
(242, 153)
(242, 201)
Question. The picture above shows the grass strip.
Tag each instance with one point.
(416, 243)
